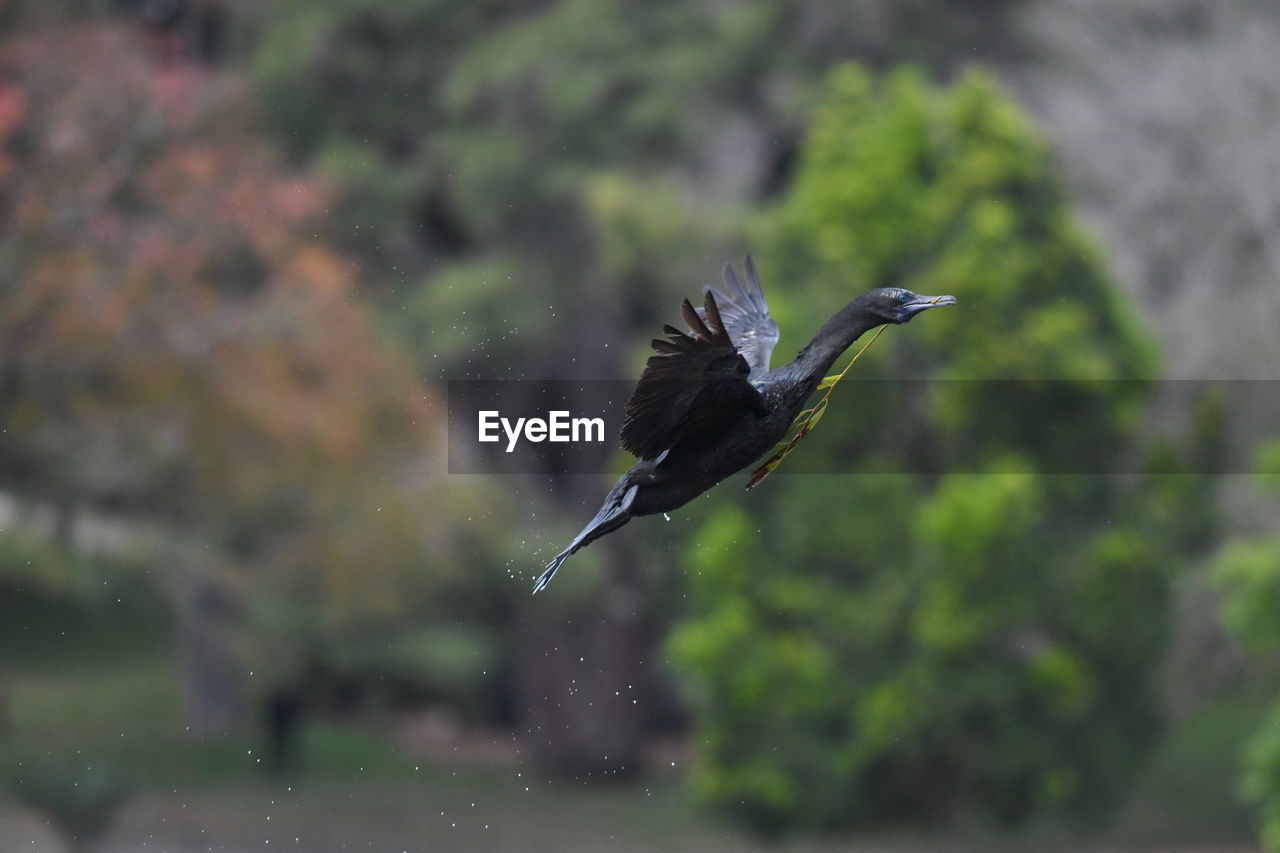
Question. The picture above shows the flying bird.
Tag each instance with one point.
(708, 405)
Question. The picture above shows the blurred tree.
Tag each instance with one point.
(500, 161)
(178, 344)
(531, 183)
(1247, 573)
(471, 140)
(876, 646)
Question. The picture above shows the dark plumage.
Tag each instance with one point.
(708, 405)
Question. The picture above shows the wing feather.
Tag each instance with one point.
(695, 382)
(746, 316)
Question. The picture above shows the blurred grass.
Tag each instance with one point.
(116, 615)
(121, 710)
(98, 690)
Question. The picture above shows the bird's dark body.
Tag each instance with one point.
(703, 460)
(702, 411)
(698, 464)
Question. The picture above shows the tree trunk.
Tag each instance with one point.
(584, 682)
(207, 610)
(585, 677)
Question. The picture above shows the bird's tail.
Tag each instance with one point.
(611, 516)
(549, 573)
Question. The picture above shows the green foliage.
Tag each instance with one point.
(1247, 573)
(1261, 781)
(1267, 463)
(865, 647)
(501, 165)
(587, 149)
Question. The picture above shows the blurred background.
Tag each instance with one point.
(244, 246)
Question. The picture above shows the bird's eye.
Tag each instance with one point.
(903, 297)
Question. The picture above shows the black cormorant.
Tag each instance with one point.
(707, 405)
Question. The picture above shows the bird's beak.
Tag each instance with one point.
(922, 303)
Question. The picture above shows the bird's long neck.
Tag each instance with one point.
(835, 336)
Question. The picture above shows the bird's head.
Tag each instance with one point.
(895, 305)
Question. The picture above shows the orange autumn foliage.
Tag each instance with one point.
(177, 338)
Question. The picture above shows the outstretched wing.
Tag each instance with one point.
(746, 316)
(694, 383)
